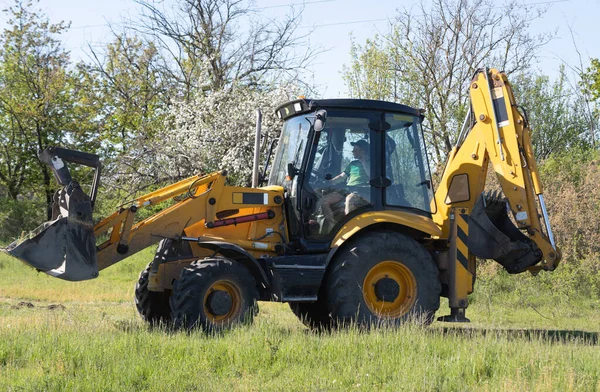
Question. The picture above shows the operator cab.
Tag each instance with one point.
(361, 156)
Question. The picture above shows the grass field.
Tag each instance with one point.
(87, 336)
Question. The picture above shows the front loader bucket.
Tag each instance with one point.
(492, 235)
(66, 246)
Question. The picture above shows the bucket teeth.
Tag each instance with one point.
(494, 197)
(495, 204)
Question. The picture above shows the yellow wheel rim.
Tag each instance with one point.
(236, 301)
(403, 289)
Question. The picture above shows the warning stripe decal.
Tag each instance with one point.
(462, 231)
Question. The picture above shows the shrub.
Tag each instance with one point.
(571, 186)
(20, 216)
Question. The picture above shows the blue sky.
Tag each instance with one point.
(361, 18)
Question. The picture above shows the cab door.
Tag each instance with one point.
(339, 168)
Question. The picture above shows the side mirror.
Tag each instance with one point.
(291, 171)
(320, 120)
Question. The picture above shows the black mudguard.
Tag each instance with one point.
(237, 253)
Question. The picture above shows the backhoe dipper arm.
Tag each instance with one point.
(497, 133)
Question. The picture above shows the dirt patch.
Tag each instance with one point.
(24, 304)
(56, 307)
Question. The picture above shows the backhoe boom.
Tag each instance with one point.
(500, 136)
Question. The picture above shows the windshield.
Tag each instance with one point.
(292, 144)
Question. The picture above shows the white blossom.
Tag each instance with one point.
(216, 131)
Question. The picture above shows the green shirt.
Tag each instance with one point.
(356, 174)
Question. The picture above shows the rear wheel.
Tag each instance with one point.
(383, 277)
(214, 294)
(153, 306)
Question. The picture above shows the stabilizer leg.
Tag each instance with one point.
(457, 315)
(461, 267)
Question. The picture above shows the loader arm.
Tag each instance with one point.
(70, 247)
(200, 199)
(126, 238)
(496, 132)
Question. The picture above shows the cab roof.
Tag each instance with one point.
(303, 105)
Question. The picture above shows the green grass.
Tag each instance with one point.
(520, 339)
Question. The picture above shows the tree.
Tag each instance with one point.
(216, 61)
(37, 100)
(592, 77)
(131, 97)
(215, 131)
(209, 44)
(590, 84)
(555, 112)
(370, 75)
(433, 52)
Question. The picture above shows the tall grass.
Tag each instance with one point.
(67, 351)
(521, 338)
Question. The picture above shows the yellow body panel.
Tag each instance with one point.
(418, 222)
(201, 199)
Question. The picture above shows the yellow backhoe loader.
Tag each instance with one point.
(347, 229)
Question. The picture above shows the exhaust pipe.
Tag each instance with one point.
(64, 247)
(255, 166)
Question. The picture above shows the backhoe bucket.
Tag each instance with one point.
(66, 246)
(492, 235)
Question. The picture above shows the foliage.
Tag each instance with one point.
(131, 97)
(590, 86)
(370, 75)
(592, 76)
(555, 113)
(130, 93)
(19, 216)
(216, 131)
(429, 55)
(571, 181)
(37, 99)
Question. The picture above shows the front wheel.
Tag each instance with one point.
(153, 306)
(213, 294)
(383, 277)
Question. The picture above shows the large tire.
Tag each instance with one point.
(153, 306)
(214, 294)
(314, 315)
(383, 277)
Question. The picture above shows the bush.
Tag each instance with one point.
(571, 186)
(20, 216)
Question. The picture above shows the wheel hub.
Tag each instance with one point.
(387, 290)
(219, 302)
